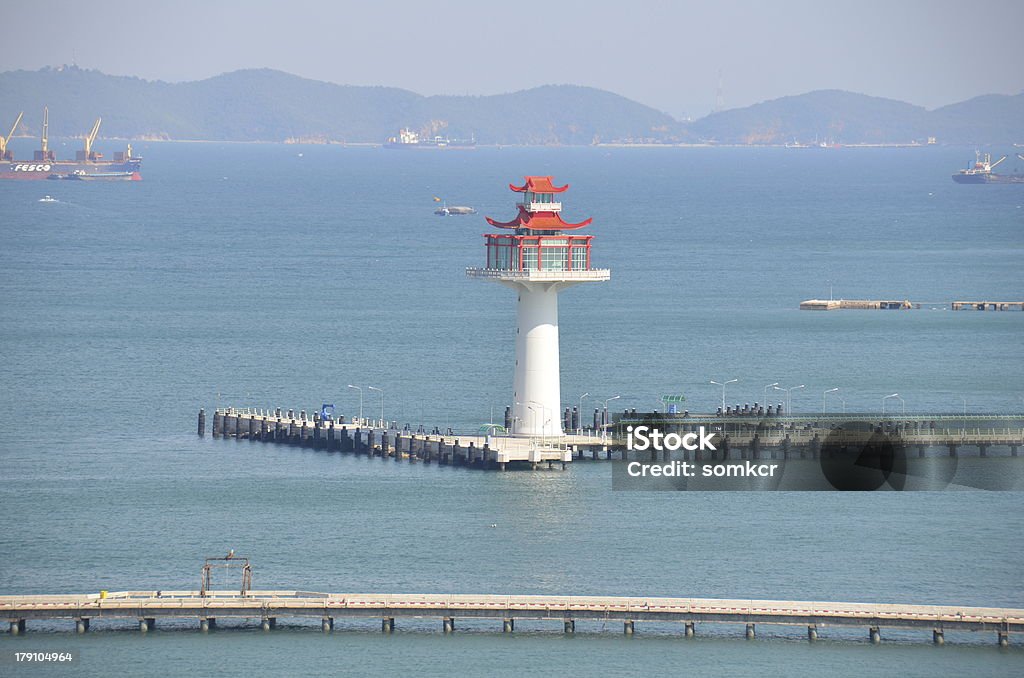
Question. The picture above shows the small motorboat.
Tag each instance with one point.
(47, 198)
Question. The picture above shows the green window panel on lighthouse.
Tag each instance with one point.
(554, 258)
(579, 258)
(530, 258)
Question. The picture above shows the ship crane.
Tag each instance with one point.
(89, 153)
(4, 153)
(997, 162)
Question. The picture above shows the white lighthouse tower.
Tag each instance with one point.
(538, 257)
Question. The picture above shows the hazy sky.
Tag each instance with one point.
(664, 54)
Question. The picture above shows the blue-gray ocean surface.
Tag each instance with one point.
(272, 275)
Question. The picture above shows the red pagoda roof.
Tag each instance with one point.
(539, 185)
(538, 221)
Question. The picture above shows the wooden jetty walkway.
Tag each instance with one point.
(147, 607)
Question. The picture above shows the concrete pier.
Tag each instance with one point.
(938, 637)
(145, 607)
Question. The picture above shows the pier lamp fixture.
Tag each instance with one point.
(545, 419)
(719, 383)
(579, 417)
(963, 429)
(824, 395)
(766, 392)
(891, 395)
(843, 401)
(360, 402)
(381, 391)
(604, 433)
(789, 397)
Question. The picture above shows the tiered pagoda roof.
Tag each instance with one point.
(541, 220)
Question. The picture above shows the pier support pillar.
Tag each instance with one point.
(204, 625)
(570, 626)
(327, 624)
(508, 626)
(627, 627)
(387, 625)
(202, 422)
(952, 450)
(690, 630)
(812, 633)
(875, 635)
(269, 623)
(751, 633)
(82, 625)
(938, 638)
(1013, 450)
(1003, 639)
(18, 627)
(448, 624)
(147, 624)
(501, 465)
(218, 424)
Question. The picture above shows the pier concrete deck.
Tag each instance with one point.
(146, 607)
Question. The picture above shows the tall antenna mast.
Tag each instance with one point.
(719, 99)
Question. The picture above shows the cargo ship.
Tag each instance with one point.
(981, 172)
(408, 139)
(88, 164)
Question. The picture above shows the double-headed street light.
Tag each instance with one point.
(893, 395)
(824, 395)
(789, 397)
(722, 384)
(360, 402)
(766, 392)
(381, 391)
(604, 434)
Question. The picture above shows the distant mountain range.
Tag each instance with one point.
(267, 105)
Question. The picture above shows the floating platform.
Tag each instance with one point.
(838, 304)
(987, 305)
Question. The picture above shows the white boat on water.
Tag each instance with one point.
(47, 198)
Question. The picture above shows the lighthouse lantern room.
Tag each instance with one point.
(539, 255)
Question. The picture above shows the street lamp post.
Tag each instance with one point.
(789, 397)
(360, 402)
(381, 391)
(766, 393)
(843, 401)
(719, 383)
(824, 395)
(544, 419)
(891, 395)
(604, 432)
(579, 416)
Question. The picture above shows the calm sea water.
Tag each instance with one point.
(251, 275)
